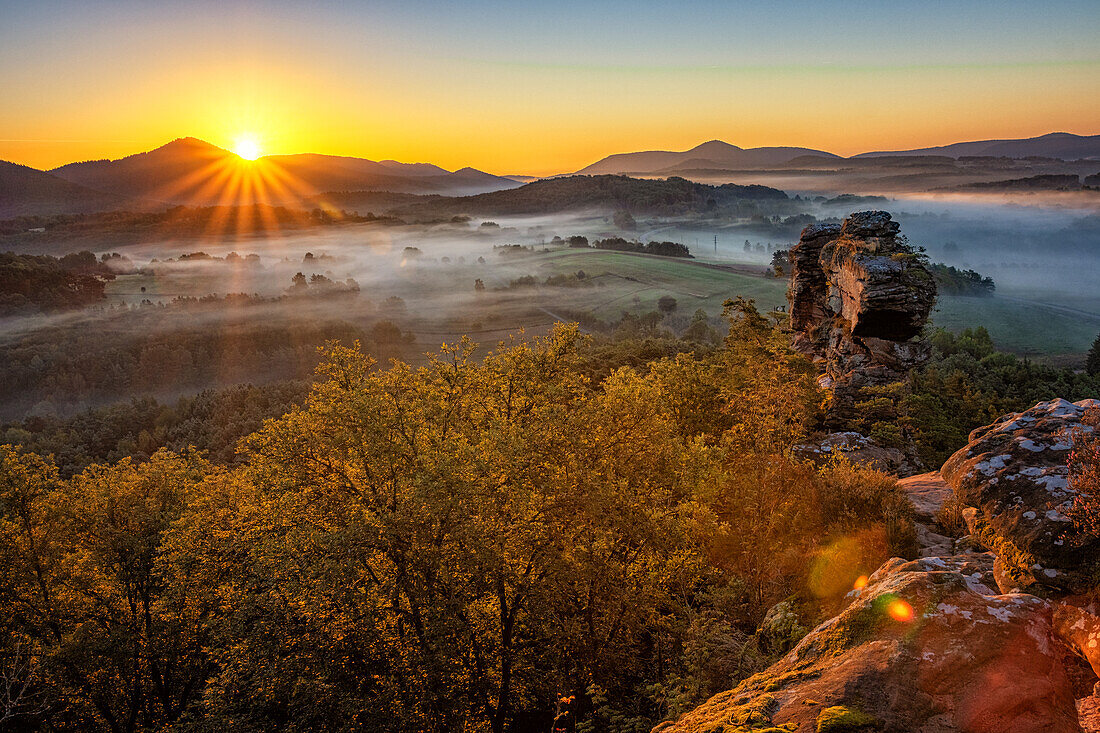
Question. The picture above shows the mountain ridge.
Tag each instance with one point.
(1063, 145)
(26, 191)
(193, 172)
(720, 155)
(712, 153)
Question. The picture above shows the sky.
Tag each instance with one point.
(538, 88)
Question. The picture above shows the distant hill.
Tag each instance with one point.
(27, 191)
(179, 171)
(308, 174)
(673, 195)
(1061, 145)
(714, 154)
(195, 173)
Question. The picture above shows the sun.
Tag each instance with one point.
(247, 147)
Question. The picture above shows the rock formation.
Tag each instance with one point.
(1013, 477)
(948, 642)
(859, 449)
(987, 632)
(859, 297)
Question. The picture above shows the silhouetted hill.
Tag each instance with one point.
(312, 173)
(26, 191)
(1061, 145)
(714, 154)
(186, 170)
(596, 192)
(195, 173)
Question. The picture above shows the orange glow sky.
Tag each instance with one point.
(546, 90)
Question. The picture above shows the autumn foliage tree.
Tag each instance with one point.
(485, 543)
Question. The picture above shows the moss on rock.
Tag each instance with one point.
(843, 719)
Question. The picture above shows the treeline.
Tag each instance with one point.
(669, 196)
(32, 283)
(561, 280)
(618, 244)
(129, 226)
(212, 421)
(662, 249)
(497, 544)
(164, 351)
(952, 281)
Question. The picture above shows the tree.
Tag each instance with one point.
(385, 333)
(117, 649)
(1092, 362)
(479, 286)
(666, 304)
(623, 220)
(512, 531)
(780, 262)
(699, 329)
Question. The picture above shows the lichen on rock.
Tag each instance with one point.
(1013, 476)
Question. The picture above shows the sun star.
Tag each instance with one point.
(247, 148)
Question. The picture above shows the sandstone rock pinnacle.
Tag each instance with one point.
(859, 298)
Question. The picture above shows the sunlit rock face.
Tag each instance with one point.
(927, 645)
(859, 297)
(1013, 475)
(928, 493)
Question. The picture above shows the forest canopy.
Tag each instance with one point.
(481, 544)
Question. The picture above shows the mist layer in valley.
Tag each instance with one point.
(189, 311)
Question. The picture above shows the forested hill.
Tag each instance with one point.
(665, 196)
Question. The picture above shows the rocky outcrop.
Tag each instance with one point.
(859, 449)
(925, 646)
(1013, 477)
(948, 642)
(859, 297)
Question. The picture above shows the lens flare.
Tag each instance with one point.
(861, 583)
(900, 610)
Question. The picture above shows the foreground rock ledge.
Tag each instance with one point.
(926, 646)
